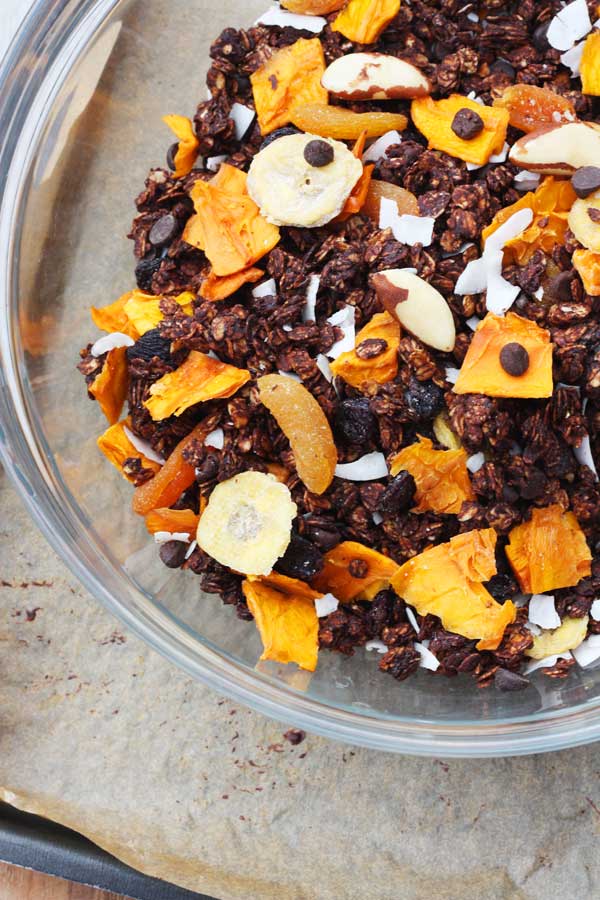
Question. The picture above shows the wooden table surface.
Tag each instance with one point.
(22, 884)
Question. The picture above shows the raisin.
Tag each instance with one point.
(145, 271)
(398, 496)
(502, 587)
(301, 559)
(149, 345)
(424, 399)
(355, 422)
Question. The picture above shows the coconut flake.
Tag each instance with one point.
(190, 549)
(111, 342)
(277, 16)
(412, 619)
(533, 629)
(265, 289)
(583, 455)
(377, 518)
(388, 213)
(376, 645)
(367, 468)
(428, 659)
(588, 651)
(547, 662)
(472, 95)
(324, 367)
(472, 167)
(526, 180)
(413, 230)
(378, 148)
(595, 610)
(542, 611)
(344, 319)
(291, 375)
(539, 294)
(500, 157)
(213, 163)
(501, 294)
(161, 537)
(215, 439)
(473, 322)
(452, 374)
(143, 447)
(474, 277)
(572, 59)
(326, 604)
(509, 230)
(242, 119)
(309, 313)
(475, 462)
(569, 25)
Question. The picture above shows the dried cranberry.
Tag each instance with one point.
(149, 345)
(505, 680)
(301, 559)
(144, 272)
(398, 496)
(355, 422)
(172, 553)
(424, 399)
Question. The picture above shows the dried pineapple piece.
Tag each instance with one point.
(175, 521)
(109, 387)
(144, 313)
(113, 317)
(569, 634)
(587, 264)
(590, 65)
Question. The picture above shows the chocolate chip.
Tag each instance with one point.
(502, 587)
(301, 559)
(370, 348)
(505, 680)
(514, 359)
(163, 231)
(586, 180)
(358, 568)
(594, 214)
(207, 470)
(398, 496)
(467, 124)
(171, 154)
(144, 271)
(540, 37)
(355, 422)
(172, 553)
(318, 154)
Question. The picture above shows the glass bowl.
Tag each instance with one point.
(82, 93)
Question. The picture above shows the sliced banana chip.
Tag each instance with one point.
(248, 522)
(291, 191)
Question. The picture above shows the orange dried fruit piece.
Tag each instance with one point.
(228, 225)
(109, 387)
(172, 480)
(434, 119)
(313, 7)
(590, 65)
(113, 317)
(441, 476)
(144, 313)
(551, 204)
(482, 371)
(406, 201)
(352, 571)
(356, 370)
(219, 287)
(293, 587)
(175, 521)
(358, 195)
(362, 21)
(342, 124)
(305, 426)
(587, 264)
(288, 625)
(117, 447)
(549, 552)
(290, 78)
(198, 379)
(187, 150)
(530, 107)
(447, 581)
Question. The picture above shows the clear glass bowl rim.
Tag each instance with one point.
(51, 38)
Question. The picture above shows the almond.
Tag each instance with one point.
(418, 307)
(374, 76)
(558, 149)
(584, 221)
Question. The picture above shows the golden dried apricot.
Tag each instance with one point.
(198, 379)
(434, 119)
(362, 21)
(342, 124)
(355, 572)
(530, 106)
(407, 203)
(304, 424)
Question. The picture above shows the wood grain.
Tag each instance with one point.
(22, 884)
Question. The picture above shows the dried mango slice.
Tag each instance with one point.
(313, 7)
(407, 203)
(590, 65)
(143, 310)
(357, 370)
(113, 317)
(219, 287)
(434, 119)
(109, 388)
(355, 572)
(442, 477)
(172, 480)
(587, 263)
(117, 447)
(551, 204)
(187, 150)
(290, 78)
(228, 225)
(362, 21)
(175, 521)
(530, 107)
(569, 634)
(199, 378)
(549, 552)
(447, 581)
(358, 196)
(293, 587)
(288, 626)
(482, 371)
(304, 424)
(342, 124)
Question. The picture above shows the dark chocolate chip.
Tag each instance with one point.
(144, 271)
(323, 537)
(164, 230)
(594, 214)
(586, 180)
(318, 154)
(398, 496)
(171, 154)
(301, 559)
(467, 124)
(354, 421)
(514, 359)
(370, 348)
(172, 553)
(149, 345)
(540, 37)
(505, 680)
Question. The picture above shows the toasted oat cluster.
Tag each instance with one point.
(356, 383)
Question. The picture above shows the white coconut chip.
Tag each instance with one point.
(569, 25)
(520, 600)
(472, 17)
(190, 549)
(215, 439)
(111, 342)
(213, 355)
(411, 230)
(473, 96)
(325, 605)
(308, 313)
(265, 289)
(588, 651)
(324, 367)
(526, 180)
(143, 447)
(473, 322)
(583, 455)
(162, 537)
(533, 628)
(595, 610)
(500, 157)
(475, 462)
(287, 327)
(376, 645)
(572, 59)
(501, 294)
(428, 659)
(512, 228)
(542, 611)
(452, 374)
(539, 294)
(377, 518)
(291, 375)
(242, 119)
(546, 663)
(344, 319)
(388, 213)
(378, 148)
(474, 277)
(367, 468)
(472, 167)
(213, 163)
(447, 254)
(277, 16)
(412, 619)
